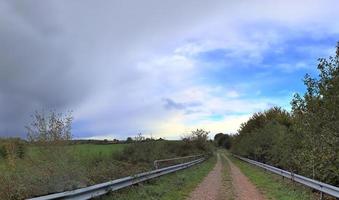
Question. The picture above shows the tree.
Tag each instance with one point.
(306, 140)
(218, 138)
(256, 136)
(222, 140)
(317, 122)
(53, 127)
(200, 138)
(129, 140)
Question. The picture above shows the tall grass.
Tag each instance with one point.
(54, 168)
(49, 169)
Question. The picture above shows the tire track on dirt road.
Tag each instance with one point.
(209, 188)
(212, 187)
(244, 189)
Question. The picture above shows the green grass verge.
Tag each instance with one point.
(273, 186)
(227, 188)
(169, 187)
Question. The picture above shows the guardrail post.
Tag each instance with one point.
(155, 165)
(282, 174)
(321, 195)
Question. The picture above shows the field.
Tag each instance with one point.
(86, 151)
(49, 168)
(81, 151)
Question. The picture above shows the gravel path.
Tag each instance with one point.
(209, 188)
(244, 189)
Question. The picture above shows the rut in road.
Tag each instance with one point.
(244, 189)
(211, 188)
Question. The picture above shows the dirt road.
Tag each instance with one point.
(243, 188)
(209, 188)
(212, 187)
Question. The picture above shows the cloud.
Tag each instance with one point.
(35, 72)
(171, 104)
(126, 66)
(174, 128)
(60, 54)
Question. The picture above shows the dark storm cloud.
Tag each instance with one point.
(35, 72)
(55, 54)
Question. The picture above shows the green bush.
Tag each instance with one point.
(146, 151)
(12, 148)
(2, 152)
(305, 140)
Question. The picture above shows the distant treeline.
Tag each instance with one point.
(305, 140)
(114, 141)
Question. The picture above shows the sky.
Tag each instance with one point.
(160, 68)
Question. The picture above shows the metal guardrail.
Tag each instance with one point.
(103, 188)
(156, 162)
(317, 185)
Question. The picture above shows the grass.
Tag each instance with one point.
(86, 150)
(49, 169)
(227, 187)
(2, 164)
(81, 151)
(95, 149)
(273, 186)
(169, 187)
